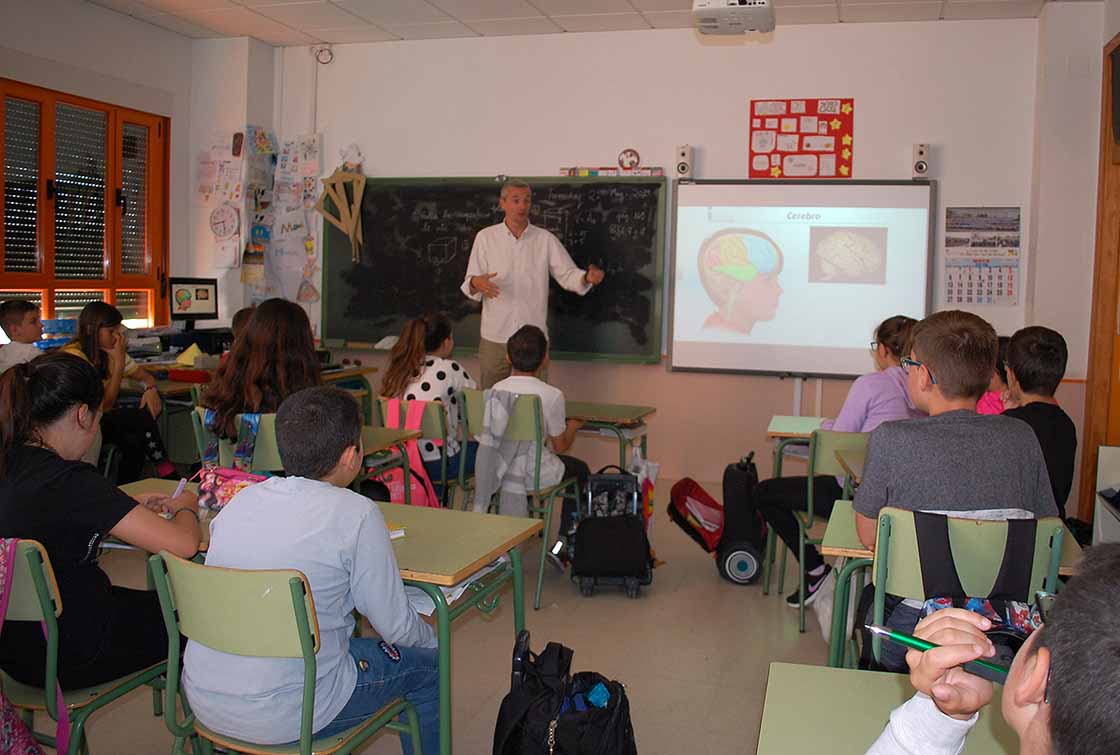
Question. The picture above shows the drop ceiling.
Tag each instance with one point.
(309, 22)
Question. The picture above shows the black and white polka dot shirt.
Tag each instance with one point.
(440, 381)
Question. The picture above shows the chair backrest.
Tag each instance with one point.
(823, 446)
(242, 612)
(34, 588)
(977, 546)
(266, 453)
(433, 423)
(525, 424)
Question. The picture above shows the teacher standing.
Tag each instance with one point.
(508, 272)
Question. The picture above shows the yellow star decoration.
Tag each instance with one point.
(846, 140)
(843, 170)
(846, 108)
(835, 124)
(775, 171)
(846, 154)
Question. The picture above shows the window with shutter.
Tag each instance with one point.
(67, 305)
(21, 185)
(79, 203)
(134, 199)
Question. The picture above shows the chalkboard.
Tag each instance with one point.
(418, 235)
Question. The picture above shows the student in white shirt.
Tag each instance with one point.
(420, 369)
(309, 521)
(1062, 695)
(23, 325)
(527, 354)
(508, 272)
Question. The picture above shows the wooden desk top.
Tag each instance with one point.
(612, 414)
(174, 388)
(167, 487)
(377, 439)
(840, 539)
(444, 546)
(852, 462)
(782, 426)
(850, 709)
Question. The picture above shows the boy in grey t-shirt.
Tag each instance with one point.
(955, 461)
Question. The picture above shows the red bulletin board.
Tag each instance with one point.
(806, 138)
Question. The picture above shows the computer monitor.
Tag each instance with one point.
(194, 299)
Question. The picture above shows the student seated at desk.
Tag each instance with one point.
(954, 462)
(309, 521)
(1062, 695)
(992, 402)
(22, 324)
(49, 413)
(237, 326)
(273, 358)
(527, 351)
(1036, 363)
(102, 342)
(420, 369)
(872, 400)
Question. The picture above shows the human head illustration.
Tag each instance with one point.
(739, 269)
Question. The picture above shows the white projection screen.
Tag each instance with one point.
(793, 277)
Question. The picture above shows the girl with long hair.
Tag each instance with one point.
(49, 413)
(101, 341)
(420, 369)
(270, 360)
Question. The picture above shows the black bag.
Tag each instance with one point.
(611, 494)
(612, 550)
(547, 711)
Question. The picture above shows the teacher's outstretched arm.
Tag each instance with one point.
(565, 272)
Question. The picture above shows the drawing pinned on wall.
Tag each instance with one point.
(801, 138)
(207, 175)
(260, 141)
(982, 255)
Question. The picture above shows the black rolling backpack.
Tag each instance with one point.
(734, 530)
(550, 711)
(611, 546)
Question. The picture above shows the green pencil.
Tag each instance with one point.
(993, 672)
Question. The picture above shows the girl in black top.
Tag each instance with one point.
(49, 413)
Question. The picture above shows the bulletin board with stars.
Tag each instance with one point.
(808, 138)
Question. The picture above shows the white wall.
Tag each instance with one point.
(1111, 19)
(83, 49)
(1067, 133)
(527, 105)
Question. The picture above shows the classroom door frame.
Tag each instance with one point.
(1102, 391)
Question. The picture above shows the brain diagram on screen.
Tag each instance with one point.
(739, 269)
(848, 255)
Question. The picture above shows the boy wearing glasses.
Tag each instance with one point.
(954, 462)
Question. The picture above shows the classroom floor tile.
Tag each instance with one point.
(693, 651)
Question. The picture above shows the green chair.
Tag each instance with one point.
(266, 454)
(823, 446)
(977, 550)
(526, 424)
(433, 424)
(35, 597)
(268, 614)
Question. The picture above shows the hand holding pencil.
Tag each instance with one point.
(937, 672)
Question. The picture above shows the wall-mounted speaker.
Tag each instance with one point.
(682, 164)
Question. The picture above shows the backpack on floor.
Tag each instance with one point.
(733, 530)
(550, 711)
(611, 544)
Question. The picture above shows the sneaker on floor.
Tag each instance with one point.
(812, 585)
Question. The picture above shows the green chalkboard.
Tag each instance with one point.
(418, 234)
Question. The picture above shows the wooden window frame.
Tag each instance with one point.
(157, 204)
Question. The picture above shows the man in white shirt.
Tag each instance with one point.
(22, 324)
(508, 272)
(1062, 694)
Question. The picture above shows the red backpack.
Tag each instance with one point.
(421, 492)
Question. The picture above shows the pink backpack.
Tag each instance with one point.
(15, 737)
(421, 491)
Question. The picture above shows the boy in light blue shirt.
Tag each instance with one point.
(309, 521)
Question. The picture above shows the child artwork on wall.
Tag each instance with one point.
(801, 138)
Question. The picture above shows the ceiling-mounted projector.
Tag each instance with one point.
(732, 16)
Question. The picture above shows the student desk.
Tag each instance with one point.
(852, 463)
(623, 421)
(790, 431)
(166, 487)
(850, 709)
(840, 539)
(442, 547)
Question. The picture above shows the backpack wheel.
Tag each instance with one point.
(586, 586)
(739, 563)
(633, 588)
